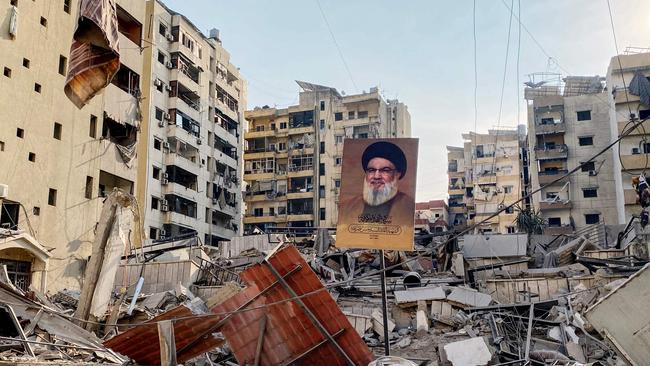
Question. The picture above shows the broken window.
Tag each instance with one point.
(127, 80)
(181, 205)
(20, 274)
(128, 25)
(108, 182)
(118, 133)
(301, 119)
(9, 215)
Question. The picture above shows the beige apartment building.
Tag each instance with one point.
(484, 177)
(568, 123)
(432, 216)
(189, 174)
(292, 161)
(632, 154)
(56, 161)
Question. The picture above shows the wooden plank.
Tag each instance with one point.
(167, 343)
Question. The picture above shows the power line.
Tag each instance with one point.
(337, 46)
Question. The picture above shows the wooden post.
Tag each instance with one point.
(167, 343)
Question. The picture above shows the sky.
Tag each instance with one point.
(422, 53)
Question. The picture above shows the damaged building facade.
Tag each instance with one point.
(292, 161)
(568, 123)
(190, 159)
(484, 177)
(57, 166)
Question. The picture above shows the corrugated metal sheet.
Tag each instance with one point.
(623, 318)
(141, 343)
(502, 245)
(289, 332)
(421, 293)
(158, 276)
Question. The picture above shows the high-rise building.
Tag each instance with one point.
(292, 161)
(59, 161)
(189, 162)
(568, 123)
(485, 176)
(631, 157)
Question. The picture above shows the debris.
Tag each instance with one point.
(470, 352)
(404, 342)
(414, 295)
(465, 297)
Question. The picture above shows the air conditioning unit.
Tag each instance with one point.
(272, 147)
(164, 208)
(170, 37)
(161, 123)
(164, 202)
(593, 173)
(167, 116)
(635, 151)
(164, 181)
(215, 201)
(199, 141)
(163, 234)
(169, 65)
(4, 191)
(165, 175)
(157, 82)
(168, 87)
(165, 145)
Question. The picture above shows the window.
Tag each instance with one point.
(89, 187)
(583, 115)
(155, 173)
(271, 211)
(585, 141)
(283, 125)
(26, 63)
(155, 201)
(161, 57)
(554, 222)
(51, 197)
(259, 128)
(351, 115)
(159, 114)
(646, 147)
(7, 72)
(157, 143)
(37, 87)
(93, 126)
(321, 168)
(13, 2)
(322, 147)
(31, 157)
(20, 273)
(337, 160)
(322, 213)
(321, 191)
(590, 165)
(66, 6)
(322, 105)
(644, 114)
(322, 124)
(338, 116)
(162, 29)
(282, 146)
(363, 114)
(153, 233)
(258, 212)
(63, 65)
(590, 192)
(2, 146)
(338, 139)
(36, 211)
(337, 183)
(507, 189)
(159, 87)
(282, 210)
(43, 22)
(20, 132)
(57, 130)
(552, 195)
(510, 229)
(592, 219)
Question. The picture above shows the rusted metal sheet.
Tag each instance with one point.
(289, 332)
(140, 343)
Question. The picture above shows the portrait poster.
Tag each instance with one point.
(377, 199)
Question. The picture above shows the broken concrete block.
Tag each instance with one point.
(414, 295)
(378, 323)
(470, 352)
(404, 342)
(469, 297)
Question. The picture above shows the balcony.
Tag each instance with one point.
(634, 162)
(552, 153)
(297, 195)
(258, 174)
(112, 162)
(630, 197)
(251, 219)
(260, 153)
(300, 130)
(181, 191)
(182, 162)
(547, 177)
(456, 191)
(558, 205)
(457, 209)
(257, 134)
(622, 95)
(300, 217)
(301, 171)
(549, 129)
(639, 130)
(171, 217)
(121, 106)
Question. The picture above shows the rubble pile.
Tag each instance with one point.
(481, 300)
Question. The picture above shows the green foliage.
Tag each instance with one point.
(529, 221)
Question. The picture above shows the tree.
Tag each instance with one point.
(529, 221)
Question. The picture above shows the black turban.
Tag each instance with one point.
(388, 151)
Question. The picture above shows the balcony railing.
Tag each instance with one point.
(300, 168)
(546, 177)
(549, 153)
(551, 128)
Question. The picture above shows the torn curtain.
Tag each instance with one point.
(94, 54)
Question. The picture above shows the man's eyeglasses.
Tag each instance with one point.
(382, 171)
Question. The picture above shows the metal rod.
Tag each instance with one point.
(384, 302)
(54, 344)
(311, 349)
(531, 315)
(260, 340)
(308, 312)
